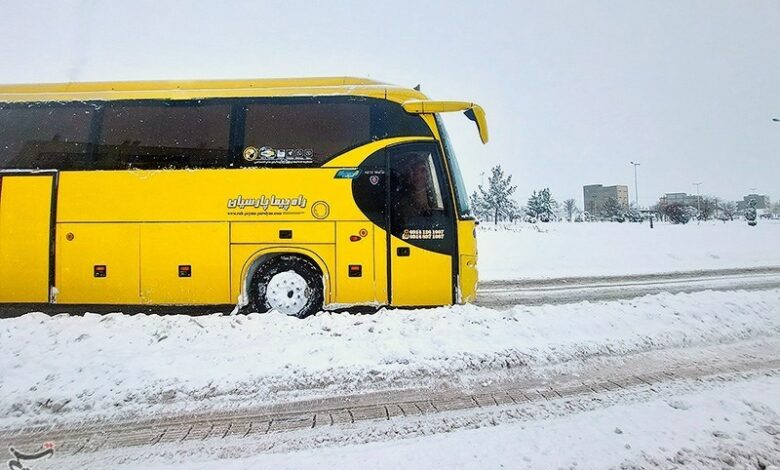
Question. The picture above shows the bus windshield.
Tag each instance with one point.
(461, 194)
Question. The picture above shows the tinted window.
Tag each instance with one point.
(49, 136)
(461, 194)
(311, 131)
(164, 134)
(415, 191)
(418, 199)
(148, 134)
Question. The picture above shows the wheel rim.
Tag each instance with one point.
(287, 293)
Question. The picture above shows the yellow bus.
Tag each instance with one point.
(291, 194)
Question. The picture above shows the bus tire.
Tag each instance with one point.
(289, 284)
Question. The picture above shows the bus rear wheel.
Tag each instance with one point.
(291, 285)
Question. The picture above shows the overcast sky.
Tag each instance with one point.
(573, 90)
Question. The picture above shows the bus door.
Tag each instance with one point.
(25, 236)
(422, 242)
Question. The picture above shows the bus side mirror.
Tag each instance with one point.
(477, 114)
(472, 111)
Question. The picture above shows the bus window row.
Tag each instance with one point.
(166, 134)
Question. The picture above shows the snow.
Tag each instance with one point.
(733, 426)
(111, 366)
(533, 251)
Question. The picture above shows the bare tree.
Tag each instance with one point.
(707, 207)
(570, 208)
(729, 209)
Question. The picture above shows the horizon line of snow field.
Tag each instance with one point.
(567, 249)
(68, 368)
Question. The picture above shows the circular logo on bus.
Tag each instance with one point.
(250, 154)
(320, 210)
(374, 179)
(267, 152)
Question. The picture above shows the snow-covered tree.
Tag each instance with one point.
(497, 200)
(570, 209)
(514, 211)
(542, 206)
(633, 214)
(751, 214)
(611, 209)
(678, 213)
(478, 207)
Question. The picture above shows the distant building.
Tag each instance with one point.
(595, 195)
(762, 201)
(680, 198)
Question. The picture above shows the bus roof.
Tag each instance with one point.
(197, 89)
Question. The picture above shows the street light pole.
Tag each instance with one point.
(698, 203)
(636, 186)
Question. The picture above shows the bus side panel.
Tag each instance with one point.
(380, 265)
(98, 264)
(354, 274)
(25, 234)
(185, 263)
(202, 195)
(467, 250)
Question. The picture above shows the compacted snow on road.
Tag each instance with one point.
(66, 368)
(733, 426)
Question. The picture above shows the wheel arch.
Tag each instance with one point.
(261, 256)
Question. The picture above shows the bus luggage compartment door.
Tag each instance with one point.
(25, 237)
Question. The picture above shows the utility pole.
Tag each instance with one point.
(698, 203)
(636, 186)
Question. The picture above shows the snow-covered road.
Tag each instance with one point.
(66, 369)
(602, 397)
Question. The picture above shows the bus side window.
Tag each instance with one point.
(44, 136)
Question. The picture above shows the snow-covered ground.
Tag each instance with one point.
(66, 368)
(526, 251)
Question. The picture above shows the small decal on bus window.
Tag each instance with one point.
(267, 202)
(373, 179)
(270, 155)
(423, 234)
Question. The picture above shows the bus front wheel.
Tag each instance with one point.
(291, 285)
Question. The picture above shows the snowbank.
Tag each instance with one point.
(599, 249)
(65, 368)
